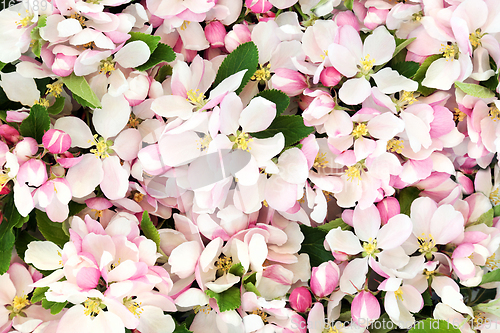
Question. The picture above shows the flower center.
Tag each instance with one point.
(367, 64)
(320, 161)
(223, 265)
(107, 66)
(79, 18)
(133, 306)
(458, 115)
(102, 147)
(25, 21)
(43, 102)
(205, 309)
(359, 131)
(242, 141)
(329, 329)
(354, 172)
(196, 98)
(428, 274)
(54, 89)
(427, 244)
(492, 263)
(494, 113)
(450, 52)
(370, 247)
(20, 303)
(262, 315)
(478, 320)
(93, 306)
(395, 146)
(262, 74)
(475, 38)
(399, 294)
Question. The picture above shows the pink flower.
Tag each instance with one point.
(365, 309)
(324, 278)
(56, 141)
(300, 299)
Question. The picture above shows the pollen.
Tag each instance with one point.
(79, 18)
(492, 263)
(475, 38)
(138, 197)
(204, 309)
(184, 25)
(428, 274)
(263, 74)
(458, 115)
(133, 121)
(89, 45)
(20, 303)
(325, 54)
(54, 89)
(417, 17)
(92, 307)
(320, 161)
(330, 329)
(359, 131)
(427, 244)
(102, 147)
(196, 98)
(133, 306)
(399, 294)
(204, 142)
(242, 141)
(395, 146)
(494, 113)
(25, 21)
(261, 314)
(224, 264)
(97, 212)
(107, 66)
(479, 320)
(353, 172)
(370, 247)
(43, 102)
(450, 52)
(367, 64)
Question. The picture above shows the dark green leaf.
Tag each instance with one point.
(491, 83)
(313, 245)
(434, 325)
(38, 294)
(407, 69)
(245, 56)
(6, 245)
(383, 325)
(427, 298)
(163, 72)
(11, 216)
(496, 211)
(250, 278)
(406, 197)
(75, 208)
(149, 229)
(2, 65)
(52, 231)
(493, 276)
(47, 304)
(162, 53)
(420, 74)
(22, 241)
(151, 40)
(334, 224)
(249, 286)
(181, 328)
(474, 90)
(401, 44)
(277, 97)
(226, 300)
(292, 127)
(58, 106)
(36, 124)
(57, 307)
(6, 103)
(79, 86)
(237, 269)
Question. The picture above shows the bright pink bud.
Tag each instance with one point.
(347, 18)
(32, 172)
(215, 32)
(56, 141)
(289, 81)
(63, 64)
(300, 299)
(465, 183)
(387, 208)
(258, 6)
(365, 309)
(330, 77)
(9, 133)
(324, 278)
(375, 17)
(239, 35)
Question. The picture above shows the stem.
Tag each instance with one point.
(297, 8)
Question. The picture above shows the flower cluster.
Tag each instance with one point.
(250, 166)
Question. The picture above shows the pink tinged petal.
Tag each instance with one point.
(293, 166)
(280, 194)
(278, 274)
(229, 84)
(385, 126)
(355, 91)
(153, 320)
(364, 147)
(133, 54)
(179, 149)
(316, 318)
(106, 322)
(395, 232)
(172, 106)
(338, 124)
(84, 177)
(23, 199)
(127, 144)
(80, 133)
(21, 278)
(324, 279)
(417, 131)
(257, 248)
(115, 181)
(192, 297)
(390, 81)
(112, 117)
(88, 277)
(32, 172)
(422, 211)
(223, 283)
(258, 115)
(446, 224)
(412, 299)
(44, 255)
(184, 258)
(56, 141)
(342, 60)
(10, 83)
(343, 241)
(366, 223)
(380, 45)
(464, 268)
(75, 315)
(482, 182)
(365, 308)
(443, 122)
(441, 74)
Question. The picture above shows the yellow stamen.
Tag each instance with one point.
(353, 172)
(43, 102)
(80, 19)
(92, 306)
(475, 38)
(399, 294)
(89, 45)
(408, 97)
(25, 21)
(138, 197)
(204, 142)
(325, 55)
(205, 309)
(359, 131)
(133, 121)
(492, 263)
(261, 314)
(328, 195)
(133, 307)
(370, 247)
(265, 203)
(242, 141)
(367, 64)
(101, 147)
(20, 303)
(196, 98)
(479, 320)
(107, 66)
(450, 52)
(428, 274)
(427, 244)
(320, 161)
(458, 115)
(184, 25)
(224, 264)
(55, 89)
(263, 73)
(97, 212)
(395, 146)
(494, 113)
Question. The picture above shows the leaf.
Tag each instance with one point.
(334, 224)
(11, 216)
(57, 107)
(348, 4)
(181, 328)
(79, 86)
(52, 231)
(7, 241)
(277, 97)
(434, 325)
(486, 218)
(75, 208)
(226, 300)
(474, 90)
(492, 276)
(38, 294)
(313, 245)
(496, 211)
(245, 56)
(407, 69)
(163, 72)
(36, 123)
(162, 53)
(22, 241)
(427, 298)
(292, 127)
(420, 74)
(57, 307)
(2, 65)
(406, 197)
(149, 229)
(237, 269)
(152, 41)
(401, 44)
(249, 286)
(383, 324)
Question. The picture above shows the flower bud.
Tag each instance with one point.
(387, 208)
(215, 32)
(56, 141)
(25, 149)
(347, 18)
(365, 309)
(63, 64)
(258, 6)
(324, 278)
(239, 35)
(289, 81)
(32, 172)
(330, 77)
(9, 133)
(300, 299)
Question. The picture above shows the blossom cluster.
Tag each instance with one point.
(250, 166)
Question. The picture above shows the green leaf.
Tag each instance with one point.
(434, 325)
(292, 127)
(38, 294)
(407, 69)
(152, 41)
(252, 278)
(427, 298)
(7, 241)
(249, 286)
(22, 241)
(57, 107)
(401, 44)
(486, 218)
(493, 276)
(11, 216)
(277, 97)
(162, 53)
(149, 229)
(334, 224)
(57, 307)
(2, 65)
(79, 86)
(474, 90)
(245, 56)
(163, 72)
(492, 307)
(491, 83)
(75, 208)
(420, 74)
(6, 103)
(313, 245)
(406, 197)
(348, 4)
(383, 324)
(226, 300)
(52, 231)
(181, 328)
(36, 123)
(237, 269)
(496, 211)
(42, 21)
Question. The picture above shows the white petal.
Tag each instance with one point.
(133, 54)
(355, 91)
(112, 117)
(390, 81)
(43, 255)
(80, 133)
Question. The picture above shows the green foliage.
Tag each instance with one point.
(149, 229)
(486, 218)
(237, 269)
(245, 56)
(348, 4)
(36, 124)
(313, 245)
(420, 74)
(80, 87)
(2, 65)
(7, 241)
(150, 40)
(226, 300)
(57, 107)
(181, 328)
(493, 276)
(474, 90)
(163, 72)
(406, 197)
(23, 238)
(162, 53)
(52, 231)
(383, 324)
(334, 224)
(292, 127)
(38, 294)
(54, 307)
(434, 325)
(407, 69)
(277, 97)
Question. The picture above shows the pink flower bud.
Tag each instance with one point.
(289, 81)
(387, 208)
(330, 77)
(56, 141)
(63, 64)
(215, 32)
(239, 35)
(365, 309)
(25, 149)
(300, 299)
(32, 172)
(258, 6)
(465, 183)
(324, 278)
(375, 17)
(347, 18)
(9, 133)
